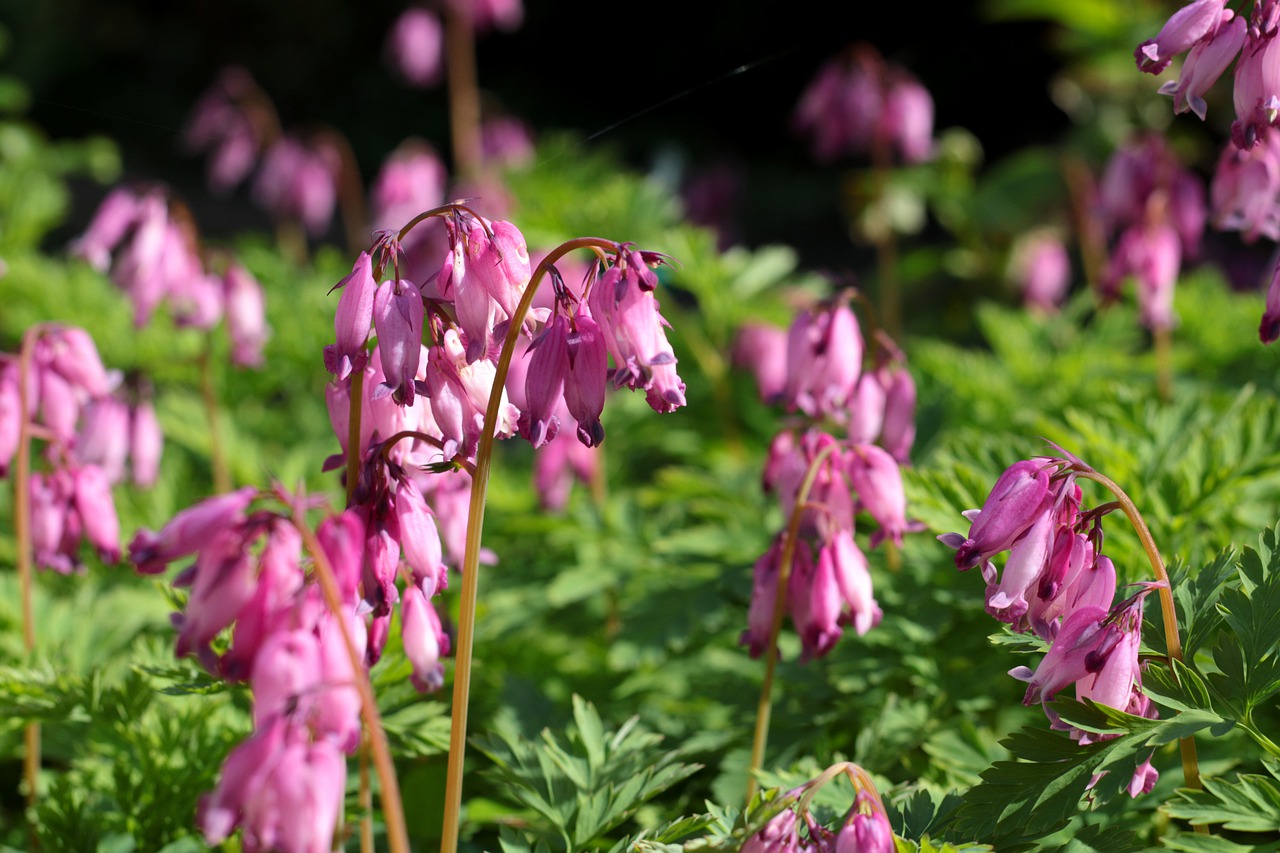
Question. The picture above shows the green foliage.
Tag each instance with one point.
(589, 783)
(1250, 803)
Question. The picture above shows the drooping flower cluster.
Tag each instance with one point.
(148, 243)
(1057, 583)
(859, 104)
(233, 120)
(284, 785)
(864, 829)
(816, 368)
(1213, 36)
(90, 435)
(424, 388)
(1155, 209)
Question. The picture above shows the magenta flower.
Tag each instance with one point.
(189, 531)
(114, 218)
(298, 181)
(146, 444)
(397, 319)
(763, 350)
(1016, 501)
(223, 585)
(1205, 63)
(1040, 267)
(779, 835)
(352, 321)
(425, 641)
(1188, 25)
(246, 316)
(415, 47)
(877, 480)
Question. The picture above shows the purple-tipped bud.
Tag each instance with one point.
(352, 321)
(544, 384)
(898, 433)
(397, 318)
(585, 383)
(1187, 26)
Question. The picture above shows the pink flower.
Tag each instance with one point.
(877, 480)
(1040, 267)
(224, 584)
(246, 316)
(188, 531)
(1187, 26)
(117, 214)
(415, 47)
(1205, 64)
(425, 642)
(764, 593)
(763, 350)
(397, 319)
(146, 443)
(352, 321)
(1016, 501)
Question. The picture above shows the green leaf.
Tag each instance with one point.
(1249, 804)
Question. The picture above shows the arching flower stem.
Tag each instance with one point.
(475, 524)
(1169, 614)
(764, 707)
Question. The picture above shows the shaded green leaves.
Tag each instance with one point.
(588, 782)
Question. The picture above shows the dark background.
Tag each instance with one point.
(641, 78)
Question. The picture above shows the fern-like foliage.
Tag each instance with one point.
(588, 783)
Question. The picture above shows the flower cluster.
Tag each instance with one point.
(415, 44)
(1157, 209)
(864, 828)
(1057, 583)
(157, 257)
(1213, 36)
(859, 104)
(816, 369)
(284, 785)
(90, 434)
(424, 388)
(233, 121)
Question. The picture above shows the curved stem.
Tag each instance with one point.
(392, 810)
(764, 707)
(22, 533)
(429, 439)
(1169, 614)
(471, 557)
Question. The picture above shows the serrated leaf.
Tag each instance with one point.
(1249, 804)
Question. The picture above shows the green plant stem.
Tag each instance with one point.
(217, 457)
(392, 809)
(764, 708)
(1169, 614)
(22, 533)
(355, 407)
(464, 89)
(471, 556)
